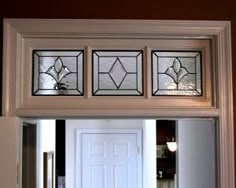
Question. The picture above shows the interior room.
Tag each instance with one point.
(169, 153)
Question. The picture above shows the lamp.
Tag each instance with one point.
(172, 145)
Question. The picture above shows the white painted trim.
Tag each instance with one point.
(225, 101)
(18, 33)
(99, 129)
(149, 154)
(120, 28)
(129, 34)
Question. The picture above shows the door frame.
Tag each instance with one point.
(97, 130)
(17, 103)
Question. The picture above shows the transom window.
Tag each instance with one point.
(117, 72)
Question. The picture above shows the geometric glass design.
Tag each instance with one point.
(57, 72)
(176, 73)
(117, 73)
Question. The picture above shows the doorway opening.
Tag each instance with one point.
(127, 153)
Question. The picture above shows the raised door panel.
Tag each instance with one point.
(109, 160)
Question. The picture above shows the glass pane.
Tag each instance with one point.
(176, 73)
(57, 72)
(117, 72)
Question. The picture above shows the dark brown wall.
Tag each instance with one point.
(124, 9)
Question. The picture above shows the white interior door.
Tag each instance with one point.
(110, 160)
(9, 128)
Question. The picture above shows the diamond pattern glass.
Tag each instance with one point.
(176, 73)
(57, 72)
(117, 73)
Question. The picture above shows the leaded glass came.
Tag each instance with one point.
(57, 72)
(117, 73)
(176, 73)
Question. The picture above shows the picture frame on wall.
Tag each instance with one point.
(161, 151)
(48, 166)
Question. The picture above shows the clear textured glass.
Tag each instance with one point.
(176, 73)
(117, 72)
(57, 72)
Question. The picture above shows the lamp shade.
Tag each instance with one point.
(172, 146)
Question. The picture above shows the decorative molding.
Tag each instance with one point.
(71, 28)
(17, 94)
(119, 113)
(225, 91)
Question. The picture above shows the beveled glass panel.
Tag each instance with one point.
(176, 73)
(57, 72)
(117, 72)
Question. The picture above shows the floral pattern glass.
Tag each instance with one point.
(176, 73)
(57, 72)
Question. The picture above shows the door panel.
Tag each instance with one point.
(109, 160)
(8, 146)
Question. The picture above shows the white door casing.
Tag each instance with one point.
(108, 158)
(23, 35)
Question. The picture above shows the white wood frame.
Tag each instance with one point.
(19, 32)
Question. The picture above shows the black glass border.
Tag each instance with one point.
(117, 50)
(181, 51)
(57, 50)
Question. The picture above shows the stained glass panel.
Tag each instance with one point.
(176, 73)
(57, 72)
(117, 73)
